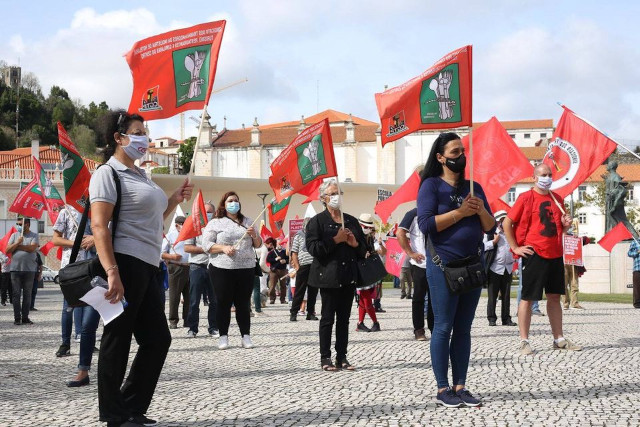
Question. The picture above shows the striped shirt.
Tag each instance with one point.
(634, 252)
(299, 246)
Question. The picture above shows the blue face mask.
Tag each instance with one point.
(233, 207)
(19, 228)
(209, 216)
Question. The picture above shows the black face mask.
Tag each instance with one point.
(456, 165)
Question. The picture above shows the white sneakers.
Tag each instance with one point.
(246, 341)
(223, 342)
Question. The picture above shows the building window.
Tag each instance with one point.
(512, 135)
(582, 192)
(527, 135)
(582, 218)
(630, 194)
(543, 135)
(511, 195)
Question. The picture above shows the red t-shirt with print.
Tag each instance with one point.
(542, 220)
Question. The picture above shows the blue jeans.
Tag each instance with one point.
(86, 320)
(535, 306)
(200, 283)
(257, 302)
(451, 313)
(65, 321)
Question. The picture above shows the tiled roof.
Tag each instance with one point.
(284, 136)
(333, 116)
(47, 155)
(534, 153)
(523, 124)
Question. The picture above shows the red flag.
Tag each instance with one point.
(46, 248)
(195, 222)
(576, 150)
(311, 191)
(265, 233)
(395, 257)
(75, 174)
(439, 98)
(29, 202)
(53, 201)
(615, 235)
(5, 241)
(277, 212)
(499, 205)
(308, 158)
(174, 71)
(498, 163)
(59, 253)
(406, 193)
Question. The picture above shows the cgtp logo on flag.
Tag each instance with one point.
(150, 100)
(565, 160)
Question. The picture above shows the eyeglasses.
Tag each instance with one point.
(334, 194)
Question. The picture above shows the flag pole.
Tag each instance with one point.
(341, 207)
(252, 224)
(470, 160)
(197, 144)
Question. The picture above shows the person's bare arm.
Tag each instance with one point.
(101, 213)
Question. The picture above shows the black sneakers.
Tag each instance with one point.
(375, 327)
(142, 420)
(64, 350)
(360, 327)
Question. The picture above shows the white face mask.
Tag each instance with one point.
(544, 182)
(367, 231)
(334, 201)
(137, 146)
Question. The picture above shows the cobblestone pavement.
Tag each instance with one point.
(280, 381)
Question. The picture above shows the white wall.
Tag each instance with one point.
(366, 162)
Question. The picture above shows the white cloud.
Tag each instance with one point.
(17, 44)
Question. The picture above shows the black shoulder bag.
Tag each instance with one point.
(462, 275)
(371, 269)
(75, 277)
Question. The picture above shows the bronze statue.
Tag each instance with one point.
(616, 193)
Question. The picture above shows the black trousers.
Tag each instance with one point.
(233, 287)
(144, 318)
(636, 289)
(499, 283)
(302, 285)
(420, 290)
(336, 307)
(6, 290)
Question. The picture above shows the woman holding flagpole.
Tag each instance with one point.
(455, 222)
(130, 259)
(336, 241)
(231, 240)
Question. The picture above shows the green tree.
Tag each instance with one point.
(185, 154)
(163, 170)
(84, 139)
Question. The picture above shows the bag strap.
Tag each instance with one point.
(85, 216)
(436, 258)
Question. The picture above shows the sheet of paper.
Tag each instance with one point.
(95, 298)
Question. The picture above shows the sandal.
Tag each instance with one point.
(345, 365)
(328, 366)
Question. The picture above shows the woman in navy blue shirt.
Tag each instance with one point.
(455, 221)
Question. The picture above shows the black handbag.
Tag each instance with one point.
(75, 277)
(371, 269)
(462, 275)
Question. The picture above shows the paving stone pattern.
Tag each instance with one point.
(280, 381)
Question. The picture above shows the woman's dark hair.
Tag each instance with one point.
(221, 211)
(112, 122)
(433, 167)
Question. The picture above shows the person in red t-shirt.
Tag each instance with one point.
(534, 228)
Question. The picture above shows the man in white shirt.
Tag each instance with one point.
(500, 269)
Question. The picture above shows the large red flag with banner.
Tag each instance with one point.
(406, 193)
(75, 174)
(195, 222)
(5, 241)
(575, 152)
(174, 71)
(614, 236)
(277, 213)
(308, 158)
(53, 202)
(29, 202)
(498, 163)
(439, 98)
(395, 257)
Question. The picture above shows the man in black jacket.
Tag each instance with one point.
(336, 241)
(278, 260)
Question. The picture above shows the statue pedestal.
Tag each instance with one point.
(607, 273)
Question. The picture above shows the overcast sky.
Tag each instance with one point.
(302, 57)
